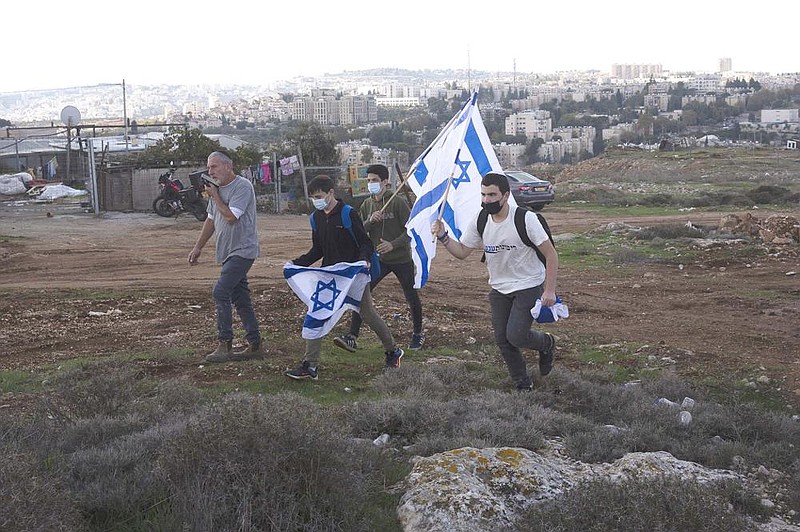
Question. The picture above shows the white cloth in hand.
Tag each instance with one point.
(550, 314)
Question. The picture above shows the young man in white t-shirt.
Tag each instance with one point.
(517, 276)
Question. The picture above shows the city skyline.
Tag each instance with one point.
(150, 43)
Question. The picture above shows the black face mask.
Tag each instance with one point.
(491, 208)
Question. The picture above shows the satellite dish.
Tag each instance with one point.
(70, 116)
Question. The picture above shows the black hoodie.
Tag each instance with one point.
(332, 242)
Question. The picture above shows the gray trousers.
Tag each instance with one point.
(511, 321)
(370, 316)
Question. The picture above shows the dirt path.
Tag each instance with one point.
(709, 317)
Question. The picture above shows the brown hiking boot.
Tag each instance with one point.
(223, 353)
(250, 352)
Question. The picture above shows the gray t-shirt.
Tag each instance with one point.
(239, 238)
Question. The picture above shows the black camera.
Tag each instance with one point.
(201, 178)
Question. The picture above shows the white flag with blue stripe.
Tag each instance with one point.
(462, 154)
(328, 292)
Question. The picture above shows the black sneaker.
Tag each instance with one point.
(524, 387)
(546, 356)
(347, 342)
(393, 357)
(416, 341)
(303, 371)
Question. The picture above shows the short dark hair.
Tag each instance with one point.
(496, 178)
(379, 170)
(322, 183)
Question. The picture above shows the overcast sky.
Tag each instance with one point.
(50, 43)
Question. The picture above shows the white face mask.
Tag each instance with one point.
(320, 203)
(374, 188)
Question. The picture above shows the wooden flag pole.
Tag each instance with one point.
(396, 192)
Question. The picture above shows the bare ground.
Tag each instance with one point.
(75, 285)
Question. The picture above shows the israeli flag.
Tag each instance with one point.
(454, 163)
(328, 292)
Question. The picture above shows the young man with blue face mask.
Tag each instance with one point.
(516, 275)
(333, 243)
(385, 220)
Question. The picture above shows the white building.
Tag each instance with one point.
(510, 155)
(635, 71)
(411, 101)
(614, 133)
(705, 83)
(657, 101)
(531, 123)
(328, 110)
(352, 153)
(777, 116)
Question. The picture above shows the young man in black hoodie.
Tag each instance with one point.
(385, 222)
(333, 243)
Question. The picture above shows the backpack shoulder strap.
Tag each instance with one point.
(311, 219)
(546, 228)
(483, 217)
(522, 230)
(347, 222)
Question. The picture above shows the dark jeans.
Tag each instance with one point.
(405, 274)
(230, 291)
(511, 321)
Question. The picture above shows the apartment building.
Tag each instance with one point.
(657, 101)
(737, 100)
(702, 98)
(351, 152)
(510, 155)
(614, 133)
(705, 83)
(635, 71)
(531, 123)
(411, 101)
(779, 116)
(585, 134)
(328, 110)
(356, 110)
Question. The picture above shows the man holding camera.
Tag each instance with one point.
(232, 216)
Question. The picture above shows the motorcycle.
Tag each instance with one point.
(174, 198)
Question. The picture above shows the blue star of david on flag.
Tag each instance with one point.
(328, 292)
(460, 156)
(464, 177)
(334, 293)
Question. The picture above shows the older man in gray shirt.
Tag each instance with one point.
(232, 215)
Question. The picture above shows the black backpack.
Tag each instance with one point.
(519, 223)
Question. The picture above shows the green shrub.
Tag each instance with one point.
(638, 505)
(434, 381)
(670, 232)
(100, 388)
(273, 463)
(34, 499)
(764, 194)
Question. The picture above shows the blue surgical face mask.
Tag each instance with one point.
(374, 188)
(319, 203)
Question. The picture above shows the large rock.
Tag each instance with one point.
(776, 229)
(487, 489)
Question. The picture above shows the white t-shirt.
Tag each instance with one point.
(512, 265)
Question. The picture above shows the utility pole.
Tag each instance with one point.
(125, 115)
(469, 74)
(515, 73)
